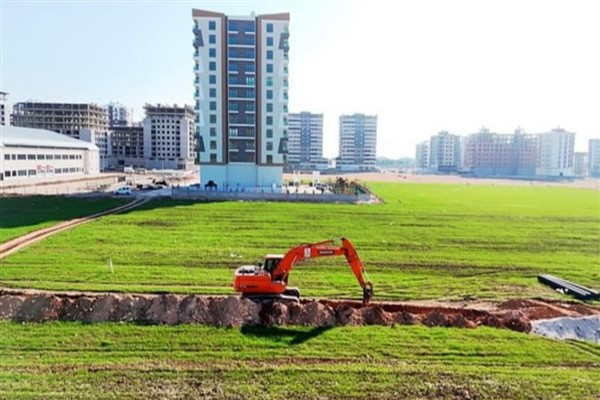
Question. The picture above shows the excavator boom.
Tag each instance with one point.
(273, 277)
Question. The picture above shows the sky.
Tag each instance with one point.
(421, 66)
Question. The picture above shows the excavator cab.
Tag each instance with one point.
(271, 262)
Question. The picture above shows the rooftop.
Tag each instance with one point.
(29, 137)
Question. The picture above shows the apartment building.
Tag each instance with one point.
(594, 157)
(169, 138)
(580, 164)
(555, 155)
(127, 146)
(241, 94)
(83, 121)
(422, 155)
(305, 146)
(506, 155)
(119, 115)
(444, 152)
(358, 142)
(4, 110)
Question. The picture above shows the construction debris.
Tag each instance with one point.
(229, 311)
(578, 291)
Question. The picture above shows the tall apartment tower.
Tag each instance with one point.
(83, 121)
(555, 153)
(445, 152)
(593, 157)
(241, 94)
(305, 147)
(358, 142)
(4, 112)
(169, 137)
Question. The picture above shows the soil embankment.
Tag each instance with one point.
(171, 309)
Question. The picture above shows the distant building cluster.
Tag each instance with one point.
(519, 155)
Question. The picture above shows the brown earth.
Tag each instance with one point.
(172, 309)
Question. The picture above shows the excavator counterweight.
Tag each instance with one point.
(270, 280)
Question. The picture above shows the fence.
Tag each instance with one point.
(187, 192)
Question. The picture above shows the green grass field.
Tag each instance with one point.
(21, 215)
(123, 361)
(426, 242)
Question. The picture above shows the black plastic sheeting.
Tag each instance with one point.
(578, 291)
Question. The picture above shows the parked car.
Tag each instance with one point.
(124, 190)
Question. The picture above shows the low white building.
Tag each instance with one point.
(30, 155)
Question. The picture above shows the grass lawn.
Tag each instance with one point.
(427, 241)
(21, 215)
(121, 361)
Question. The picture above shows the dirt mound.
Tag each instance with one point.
(171, 309)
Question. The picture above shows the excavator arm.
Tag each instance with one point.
(325, 249)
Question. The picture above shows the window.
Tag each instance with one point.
(250, 80)
(269, 133)
(212, 66)
(269, 81)
(31, 172)
(269, 54)
(7, 156)
(213, 118)
(269, 94)
(270, 28)
(269, 159)
(269, 120)
(233, 79)
(213, 144)
(212, 52)
(250, 93)
(212, 79)
(233, 25)
(250, 107)
(213, 105)
(212, 93)
(213, 158)
(269, 146)
(269, 67)
(212, 39)
(212, 25)
(233, 93)
(270, 41)
(22, 172)
(31, 156)
(269, 107)
(40, 156)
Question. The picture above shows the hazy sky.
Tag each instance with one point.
(422, 66)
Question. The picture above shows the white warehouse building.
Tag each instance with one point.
(30, 155)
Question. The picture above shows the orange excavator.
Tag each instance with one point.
(270, 280)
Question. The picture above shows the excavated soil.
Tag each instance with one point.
(171, 309)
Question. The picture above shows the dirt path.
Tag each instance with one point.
(17, 244)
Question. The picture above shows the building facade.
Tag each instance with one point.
(127, 146)
(241, 94)
(580, 164)
(422, 155)
(4, 110)
(119, 115)
(556, 153)
(169, 138)
(505, 155)
(358, 143)
(594, 157)
(87, 122)
(305, 146)
(444, 152)
(35, 155)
